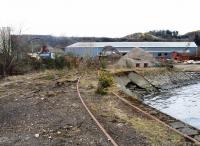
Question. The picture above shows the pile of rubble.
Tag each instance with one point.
(136, 58)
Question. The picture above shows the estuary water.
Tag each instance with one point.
(182, 103)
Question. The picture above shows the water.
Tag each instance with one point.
(181, 103)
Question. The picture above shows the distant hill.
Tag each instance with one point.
(194, 35)
(158, 35)
(143, 37)
(62, 42)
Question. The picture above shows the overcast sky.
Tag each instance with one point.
(111, 18)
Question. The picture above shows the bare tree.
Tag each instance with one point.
(8, 51)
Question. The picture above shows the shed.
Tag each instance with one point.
(157, 49)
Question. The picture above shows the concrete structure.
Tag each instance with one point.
(158, 49)
(136, 58)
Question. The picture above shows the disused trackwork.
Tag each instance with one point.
(102, 107)
(93, 117)
(190, 133)
(48, 112)
(40, 111)
(58, 117)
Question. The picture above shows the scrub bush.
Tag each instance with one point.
(103, 63)
(60, 62)
(105, 80)
(49, 63)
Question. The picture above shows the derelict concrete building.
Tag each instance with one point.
(158, 49)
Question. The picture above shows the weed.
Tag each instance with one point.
(105, 80)
(103, 63)
(60, 62)
(48, 63)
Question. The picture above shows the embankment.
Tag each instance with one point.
(142, 82)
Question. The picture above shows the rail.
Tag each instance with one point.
(94, 118)
(156, 119)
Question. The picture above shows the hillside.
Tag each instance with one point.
(61, 42)
(158, 35)
(194, 35)
(143, 37)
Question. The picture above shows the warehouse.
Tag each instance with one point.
(158, 49)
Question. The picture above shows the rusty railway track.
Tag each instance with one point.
(110, 139)
(94, 118)
(190, 133)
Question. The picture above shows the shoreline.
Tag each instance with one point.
(144, 82)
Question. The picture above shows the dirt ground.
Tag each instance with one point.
(41, 109)
(52, 115)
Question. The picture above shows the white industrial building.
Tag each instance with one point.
(92, 49)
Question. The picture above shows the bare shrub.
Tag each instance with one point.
(12, 52)
(7, 52)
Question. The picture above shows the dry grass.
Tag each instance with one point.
(156, 133)
(142, 71)
(152, 70)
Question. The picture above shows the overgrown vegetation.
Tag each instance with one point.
(11, 52)
(103, 63)
(168, 34)
(14, 57)
(105, 80)
(65, 61)
(58, 63)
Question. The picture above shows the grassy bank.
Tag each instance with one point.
(108, 108)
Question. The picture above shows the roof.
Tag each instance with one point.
(131, 44)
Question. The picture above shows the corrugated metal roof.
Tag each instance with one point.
(131, 44)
